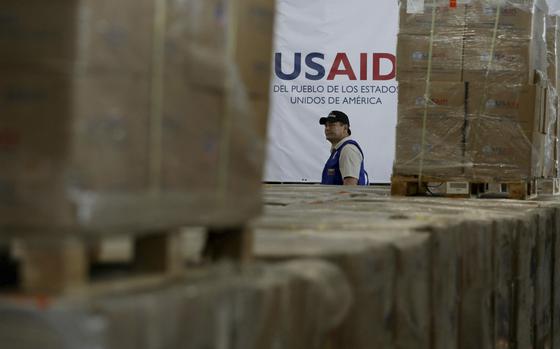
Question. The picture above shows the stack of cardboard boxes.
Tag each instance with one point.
(483, 112)
(119, 112)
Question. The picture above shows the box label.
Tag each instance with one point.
(414, 6)
(458, 188)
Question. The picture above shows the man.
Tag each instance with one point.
(345, 166)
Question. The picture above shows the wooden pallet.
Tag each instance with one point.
(462, 188)
(63, 265)
(548, 186)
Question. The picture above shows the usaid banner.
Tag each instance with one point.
(332, 55)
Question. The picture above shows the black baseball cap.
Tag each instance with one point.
(335, 116)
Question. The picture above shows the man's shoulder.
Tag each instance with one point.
(348, 141)
(350, 150)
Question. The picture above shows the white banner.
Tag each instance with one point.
(332, 55)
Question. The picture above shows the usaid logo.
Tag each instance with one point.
(419, 56)
(500, 57)
(485, 57)
(314, 67)
(487, 150)
(489, 10)
(496, 103)
(420, 101)
(491, 103)
(417, 148)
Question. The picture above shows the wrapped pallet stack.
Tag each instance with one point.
(122, 112)
(430, 130)
(476, 107)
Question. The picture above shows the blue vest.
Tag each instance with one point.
(331, 172)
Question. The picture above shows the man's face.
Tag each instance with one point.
(335, 131)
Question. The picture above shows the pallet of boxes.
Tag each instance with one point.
(477, 111)
(136, 118)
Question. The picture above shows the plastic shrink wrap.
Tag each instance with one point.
(477, 92)
(132, 115)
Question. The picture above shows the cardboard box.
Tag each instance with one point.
(448, 21)
(500, 149)
(443, 137)
(444, 124)
(234, 157)
(515, 17)
(442, 147)
(506, 127)
(65, 36)
(413, 58)
(255, 30)
(248, 26)
(498, 58)
(95, 148)
(514, 102)
(505, 135)
(447, 99)
(129, 314)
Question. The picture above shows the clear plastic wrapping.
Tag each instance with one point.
(550, 162)
(418, 19)
(503, 133)
(442, 133)
(115, 112)
(497, 59)
(413, 57)
(552, 38)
